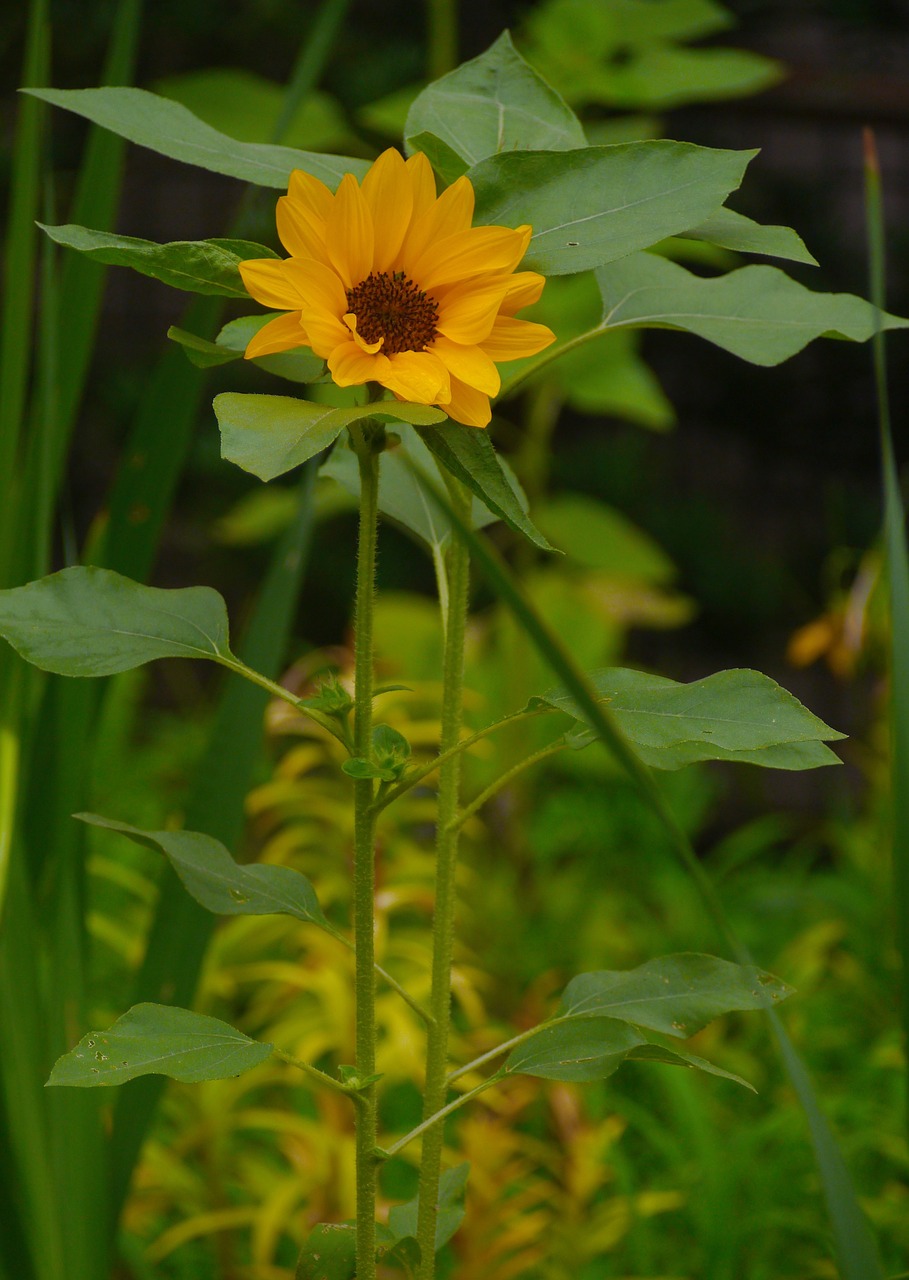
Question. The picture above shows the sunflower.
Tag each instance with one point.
(390, 283)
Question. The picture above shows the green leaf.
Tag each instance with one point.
(675, 995)
(494, 103)
(330, 1253)
(732, 230)
(590, 206)
(171, 130)
(357, 767)
(469, 455)
(85, 621)
(159, 1039)
(736, 715)
(581, 1049)
(300, 365)
(403, 495)
(679, 1058)
(220, 884)
(757, 312)
(269, 435)
(599, 537)
(199, 266)
(446, 162)
(402, 1218)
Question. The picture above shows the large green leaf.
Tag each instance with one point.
(330, 1253)
(199, 266)
(494, 103)
(402, 1218)
(159, 1039)
(676, 995)
(86, 621)
(469, 455)
(736, 715)
(220, 883)
(731, 230)
(581, 1049)
(757, 312)
(593, 205)
(171, 130)
(269, 435)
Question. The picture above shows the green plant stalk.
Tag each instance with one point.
(553, 748)
(442, 37)
(365, 438)
(446, 865)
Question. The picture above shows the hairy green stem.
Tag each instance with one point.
(495, 787)
(365, 440)
(446, 863)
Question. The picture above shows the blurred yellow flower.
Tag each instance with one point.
(391, 284)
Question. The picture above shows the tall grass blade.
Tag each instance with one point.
(897, 563)
(856, 1252)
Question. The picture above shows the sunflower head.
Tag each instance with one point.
(390, 283)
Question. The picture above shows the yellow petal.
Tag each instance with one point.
(302, 232)
(317, 286)
(512, 339)
(350, 234)
(267, 281)
(469, 364)
(417, 376)
(310, 194)
(524, 289)
(468, 406)
(423, 184)
(388, 192)
(452, 212)
(325, 332)
(467, 312)
(372, 347)
(351, 367)
(469, 254)
(281, 334)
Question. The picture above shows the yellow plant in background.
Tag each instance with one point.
(391, 284)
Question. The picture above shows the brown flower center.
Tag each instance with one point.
(390, 306)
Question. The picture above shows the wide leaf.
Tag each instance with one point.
(676, 995)
(159, 1039)
(737, 715)
(593, 205)
(85, 621)
(757, 312)
(171, 130)
(402, 1218)
(469, 455)
(494, 103)
(580, 1049)
(218, 882)
(269, 435)
(199, 266)
(330, 1253)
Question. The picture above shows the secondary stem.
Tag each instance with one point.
(446, 861)
(364, 440)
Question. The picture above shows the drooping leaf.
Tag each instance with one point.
(170, 129)
(736, 715)
(269, 435)
(330, 1253)
(494, 103)
(159, 1039)
(218, 882)
(593, 205)
(446, 162)
(300, 365)
(680, 1058)
(198, 266)
(732, 230)
(757, 312)
(581, 1049)
(676, 995)
(469, 455)
(85, 621)
(402, 1218)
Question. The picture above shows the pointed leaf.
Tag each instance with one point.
(85, 621)
(732, 230)
(469, 455)
(330, 1253)
(159, 1039)
(757, 312)
(581, 1049)
(199, 266)
(593, 205)
(171, 130)
(495, 102)
(269, 435)
(402, 1218)
(446, 162)
(679, 1058)
(736, 715)
(219, 883)
(676, 995)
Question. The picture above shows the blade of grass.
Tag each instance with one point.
(897, 566)
(856, 1252)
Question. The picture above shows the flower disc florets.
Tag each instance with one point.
(390, 283)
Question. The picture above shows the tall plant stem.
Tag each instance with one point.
(366, 440)
(446, 863)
